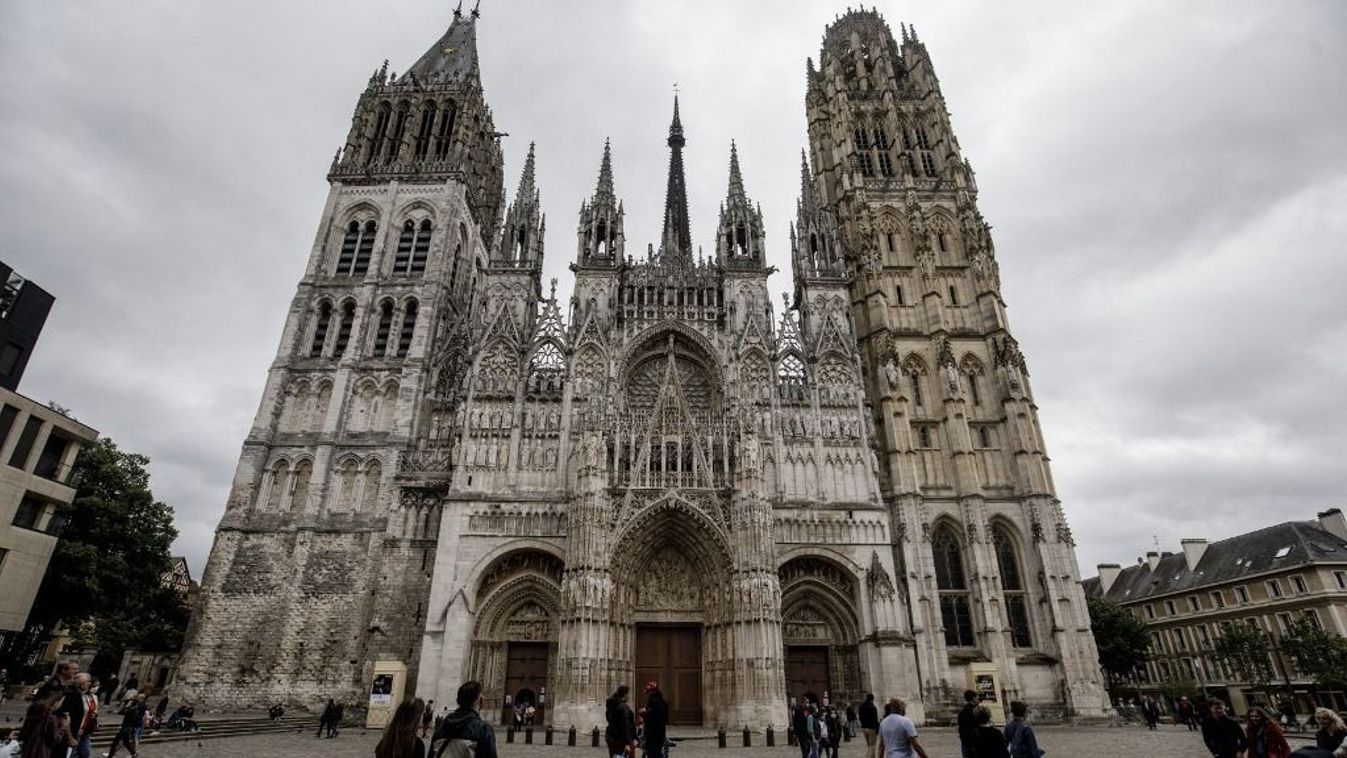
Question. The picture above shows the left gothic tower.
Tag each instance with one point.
(318, 569)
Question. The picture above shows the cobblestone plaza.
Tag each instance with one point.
(1057, 741)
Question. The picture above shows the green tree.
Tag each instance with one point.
(1316, 653)
(1244, 649)
(1122, 639)
(104, 580)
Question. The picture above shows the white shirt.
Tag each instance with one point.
(897, 732)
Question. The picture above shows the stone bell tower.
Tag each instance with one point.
(987, 557)
(322, 561)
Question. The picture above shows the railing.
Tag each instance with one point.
(430, 460)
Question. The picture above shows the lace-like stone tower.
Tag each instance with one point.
(988, 562)
(669, 478)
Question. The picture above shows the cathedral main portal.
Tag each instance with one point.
(672, 656)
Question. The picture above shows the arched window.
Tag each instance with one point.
(984, 437)
(402, 261)
(917, 398)
(344, 329)
(444, 137)
(365, 248)
(521, 239)
(973, 389)
(381, 118)
(408, 328)
(320, 329)
(426, 130)
(956, 613)
(346, 259)
(299, 485)
(280, 474)
(421, 248)
(1012, 587)
(383, 329)
(394, 143)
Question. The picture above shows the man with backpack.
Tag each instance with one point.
(463, 733)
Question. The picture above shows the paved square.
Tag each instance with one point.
(1058, 741)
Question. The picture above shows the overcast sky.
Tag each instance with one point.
(1167, 184)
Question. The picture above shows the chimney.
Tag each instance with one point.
(1152, 559)
(1333, 522)
(1193, 550)
(1108, 574)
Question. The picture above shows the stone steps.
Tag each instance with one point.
(211, 728)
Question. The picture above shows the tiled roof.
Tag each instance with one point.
(1273, 548)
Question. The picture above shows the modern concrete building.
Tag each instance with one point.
(37, 452)
(1268, 578)
(23, 312)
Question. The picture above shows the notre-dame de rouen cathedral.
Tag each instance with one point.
(672, 476)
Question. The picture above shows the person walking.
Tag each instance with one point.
(463, 733)
(109, 688)
(128, 734)
(427, 716)
(62, 678)
(897, 735)
(334, 725)
(815, 729)
(853, 722)
(400, 738)
(1332, 730)
(1150, 711)
(799, 721)
(1187, 713)
(81, 706)
(4, 685)
(988, 742)
(834, 724)
(325, 718)
(46, 730)
(968, 723)
(621, 731)
(1264, 735)
(869, 717)
(1020, 739)
(656, 721)
(1222, 734)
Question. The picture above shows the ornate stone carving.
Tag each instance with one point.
(878, 579)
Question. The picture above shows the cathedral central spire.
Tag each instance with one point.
(677, 237)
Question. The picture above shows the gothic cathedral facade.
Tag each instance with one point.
(671, 478)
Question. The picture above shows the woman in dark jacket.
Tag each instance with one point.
(621, 732)
(988, 742)
(656, 721)
(1331, 729)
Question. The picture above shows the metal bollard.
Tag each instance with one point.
(528, 735)
(720, 737)
(771, 736)
(748, 737)
(846, 734)
(594, 738)
(509, 734)
(547, 736)
(570, 737)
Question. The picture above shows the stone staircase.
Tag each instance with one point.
(212, 727)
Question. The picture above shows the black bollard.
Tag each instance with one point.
(720, 737)
(570, 737)
(594, 738)
(790, 735)
(547, 736)
(528, 735)
(846, 734)
(771, 736)
(509, 734)
(748, 737)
